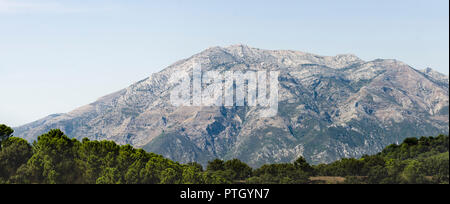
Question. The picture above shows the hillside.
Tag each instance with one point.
(329, 108)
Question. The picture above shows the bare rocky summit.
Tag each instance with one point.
(329, 108)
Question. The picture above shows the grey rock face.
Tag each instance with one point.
(329, 108)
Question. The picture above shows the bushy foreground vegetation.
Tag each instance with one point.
(56, 159)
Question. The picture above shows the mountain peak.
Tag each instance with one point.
(430, 70)
(242, 46)
(436, 75)
(286, 58)
(329, 107)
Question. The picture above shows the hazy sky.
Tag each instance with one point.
(56, 55)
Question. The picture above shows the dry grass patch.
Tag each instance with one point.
(328, 179)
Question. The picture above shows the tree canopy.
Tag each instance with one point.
(5, 132)
(56, 159)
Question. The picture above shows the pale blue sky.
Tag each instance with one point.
(56, 55)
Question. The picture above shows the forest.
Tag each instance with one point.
(57, 159)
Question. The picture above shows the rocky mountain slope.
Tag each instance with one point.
(329, 108)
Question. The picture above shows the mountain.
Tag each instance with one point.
(329, 108)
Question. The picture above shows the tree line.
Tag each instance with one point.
(55, 158)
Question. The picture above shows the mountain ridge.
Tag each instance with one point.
(330, 107)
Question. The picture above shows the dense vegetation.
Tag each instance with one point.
(54, 158)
